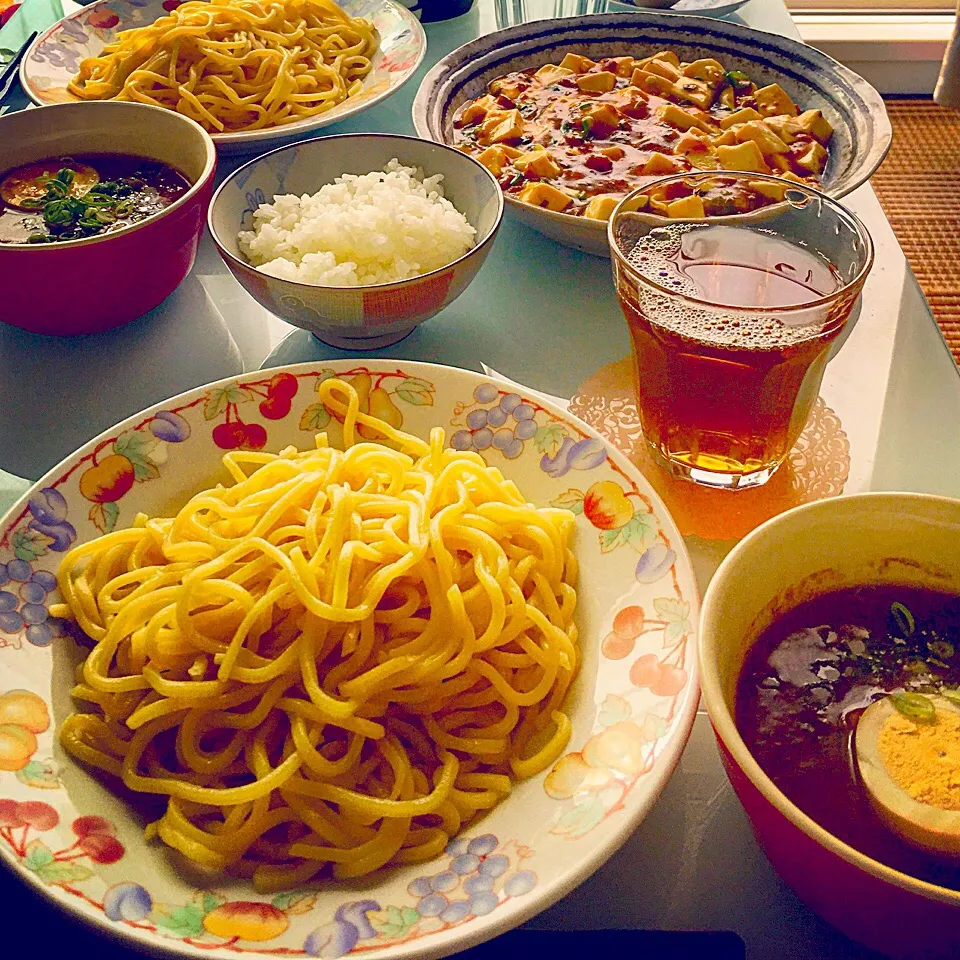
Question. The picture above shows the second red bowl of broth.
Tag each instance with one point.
(831, 671)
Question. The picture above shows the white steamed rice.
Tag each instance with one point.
(377, 228)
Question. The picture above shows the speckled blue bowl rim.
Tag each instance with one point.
(850, 96)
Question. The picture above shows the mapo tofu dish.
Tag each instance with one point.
(575, 137)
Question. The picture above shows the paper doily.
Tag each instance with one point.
(817, 467)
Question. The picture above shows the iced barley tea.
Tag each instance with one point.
(731, 329)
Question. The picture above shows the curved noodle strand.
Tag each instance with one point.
(333, 662)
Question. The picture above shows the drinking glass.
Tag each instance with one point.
(733, 317)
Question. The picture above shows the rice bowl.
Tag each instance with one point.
(365, 229)
(370, 315)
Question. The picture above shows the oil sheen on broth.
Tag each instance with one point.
(727, 389)
(808, 679)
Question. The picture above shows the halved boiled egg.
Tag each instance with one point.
(909, 761)
(29, 183)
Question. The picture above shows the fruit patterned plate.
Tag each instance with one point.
(54, 58)
(65, 833)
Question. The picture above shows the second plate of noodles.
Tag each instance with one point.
(363, 656)
(340, 659)
(248, 71)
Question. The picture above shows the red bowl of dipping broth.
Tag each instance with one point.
(95, 283)
(800, 625)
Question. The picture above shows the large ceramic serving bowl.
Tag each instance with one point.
(54, 58)
(85, 286)
(702, 8)
(547, 836)
(368, 317)
(880, 538)
(862, 131)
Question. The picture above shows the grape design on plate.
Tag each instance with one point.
(480, 874)
(469, 886)
(504, 425)
(23, 594)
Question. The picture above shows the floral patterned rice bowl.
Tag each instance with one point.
(54, 59)
(632, 706)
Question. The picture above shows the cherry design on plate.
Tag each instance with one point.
(96, 841)
(623, 748)
(280, 393)
(234, 433)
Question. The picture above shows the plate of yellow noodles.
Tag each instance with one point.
(248, 71)
(378, 657)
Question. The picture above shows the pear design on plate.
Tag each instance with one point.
(380, 405)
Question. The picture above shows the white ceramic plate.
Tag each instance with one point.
(632, 705)
(54, 58)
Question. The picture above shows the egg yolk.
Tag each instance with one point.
(923, 759)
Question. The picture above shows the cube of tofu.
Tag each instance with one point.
(660, 163)
(728, 98)
(538, 162)
(551, 73)
(769, 188)
(703, 161)
(773, 100)
(687, 207)
(477, 110)
(744, 156)
(698, 92)
(600, 120)
(726, 139)
(741, 116)
(668, 56)
(786, 128)
(680, 118)
(543, 195)
(762, 136)
(706, 69)
(602, 82)
(576, 63)
(816, 124)
(651, 83)
(780, 162)
(601, 207)
(494, 159)
(499, 126)
(613, 153)
(690, 142)
(814, 159)
(622, 66)
(511, 88)
(663, 68)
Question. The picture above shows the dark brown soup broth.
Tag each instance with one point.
(138, 187)
(807, 680)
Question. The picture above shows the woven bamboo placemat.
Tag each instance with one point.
(918, 186)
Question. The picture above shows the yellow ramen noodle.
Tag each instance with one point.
(333, 663)
(236, 64)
